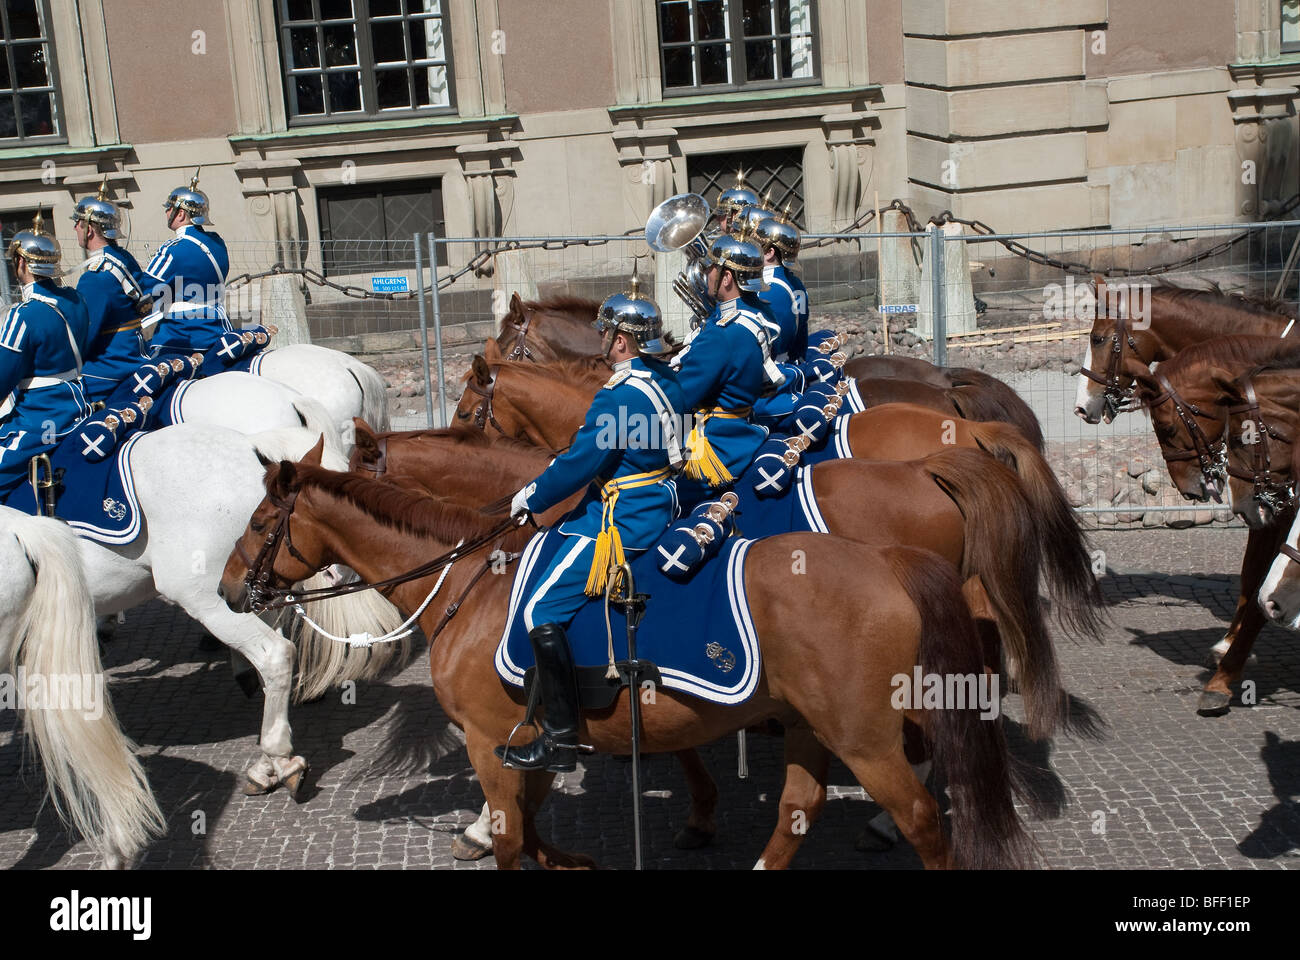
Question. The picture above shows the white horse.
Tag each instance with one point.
(345, 386)
(197, 485)
(47, 635)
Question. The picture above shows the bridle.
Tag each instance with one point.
(1212, 462)
(483, 414)
(261, 569)
(379, 467)
(520, 349)
(1272, 489)
(1114, 395)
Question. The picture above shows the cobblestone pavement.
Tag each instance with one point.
(1164, 788)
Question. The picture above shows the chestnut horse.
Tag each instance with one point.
(831, 655)
(544, 404)
(1240, 388)
(561, 329)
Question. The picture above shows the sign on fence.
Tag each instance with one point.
(389, 285)
(899, 308)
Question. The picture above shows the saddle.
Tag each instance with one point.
(596, 689)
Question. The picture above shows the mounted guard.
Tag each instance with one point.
(41, 343)
(110, 286)
(725, 368)
(786, 296)
(187, 278)
(625, 451)
(730, 202)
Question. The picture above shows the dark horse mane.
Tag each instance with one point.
(562, 304)
(1214, 295)
(398, 509)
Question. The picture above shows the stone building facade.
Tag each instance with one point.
(574, 117)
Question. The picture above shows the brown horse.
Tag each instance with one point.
(1200, 400)
(832, 656)
(560, 329)
(544, 404)
(958, 503)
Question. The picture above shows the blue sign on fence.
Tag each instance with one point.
(899, 308)
(389, 285)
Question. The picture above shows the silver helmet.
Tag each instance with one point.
(38, 248)
(733, 199)
(100, 211)
(779, 233)
(190, 199)
(629, 312)
(742, 257)
(746, 220)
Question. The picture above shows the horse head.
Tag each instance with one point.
(1189, 423)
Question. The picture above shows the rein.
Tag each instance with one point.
(1272, 488)
(262, 596)
(483, 414)
(520, 350)
(1212, 463)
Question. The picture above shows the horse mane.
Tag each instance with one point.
(399, 509)
(1214, 295)
(565, 304)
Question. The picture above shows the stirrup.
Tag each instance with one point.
(527, 721)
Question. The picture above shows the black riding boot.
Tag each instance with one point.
(556, 749)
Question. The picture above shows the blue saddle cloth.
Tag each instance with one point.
(716, 659)
(793, 511)
(96, 499)
(833, 446)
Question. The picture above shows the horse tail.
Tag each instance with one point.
(316, 419)
(1066, 556)
(94, 778)
(983, 397)
(324, 663)
(986, 830)
(1002, 549)
(374, 394)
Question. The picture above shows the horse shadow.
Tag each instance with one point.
(1278, 832)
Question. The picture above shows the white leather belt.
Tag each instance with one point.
(193, 305)
(35, 383)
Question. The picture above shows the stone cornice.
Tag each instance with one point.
(745, 107)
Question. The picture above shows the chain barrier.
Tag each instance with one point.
(979, 227)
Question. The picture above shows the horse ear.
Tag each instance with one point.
(282, 478)
(516, 304)
(262, 458)
(1228, 384)
(492, 351)
(314, 455)
(362, 432)
(479, 367)
(1147, 385)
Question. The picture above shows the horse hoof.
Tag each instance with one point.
(692, 838)
(871, 840)
(254, 789)
(463, 848)
(1213, 703)
(294, 783)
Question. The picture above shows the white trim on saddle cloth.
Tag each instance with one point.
(178, 396)
(843, 449)
(853, 398)
(738, 692)
(808, 501)
(112, 538)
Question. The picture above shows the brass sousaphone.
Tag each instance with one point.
(678, 224)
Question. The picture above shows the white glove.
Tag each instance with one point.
(519, 505)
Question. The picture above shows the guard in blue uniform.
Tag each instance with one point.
(187, 278)
(41, 342)
(624, 450)
(725, 368)
(113, 297)
(786, 296)
(730, 202)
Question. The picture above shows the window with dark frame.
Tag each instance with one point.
(1291, 26)
(29, 104)
(363, 228)
(360, 59)
(776, 172)
(724, 45)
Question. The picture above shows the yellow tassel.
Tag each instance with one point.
(703, 463)
(599, 574)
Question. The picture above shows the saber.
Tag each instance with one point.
(634, 604)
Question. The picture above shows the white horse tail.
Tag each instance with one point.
(317, 419)
(374, 393)
(93, 776)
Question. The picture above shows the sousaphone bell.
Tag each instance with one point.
(678, 224)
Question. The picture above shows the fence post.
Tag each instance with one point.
(936, 297)
(437, 331)
(424, 326)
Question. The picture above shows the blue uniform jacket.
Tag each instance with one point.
(631, 429)
(787, 300)
(724, 367)
(112, 293)
(186, 278)
(41, 341)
